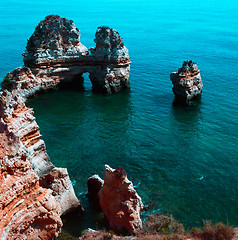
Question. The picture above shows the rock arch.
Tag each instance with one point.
(33, 192)
(54, 50)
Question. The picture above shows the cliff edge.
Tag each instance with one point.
(33, 192)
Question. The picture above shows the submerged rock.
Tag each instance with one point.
(187, 81)
(54, 50)
(120, 202)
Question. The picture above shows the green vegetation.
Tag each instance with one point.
(7, 83)
(162, 224)
(66, 236)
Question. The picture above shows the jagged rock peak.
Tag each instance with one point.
(188, 67)
(119, 201)
(109, 46)
(54, 32)
(54, 36)
(108, 38)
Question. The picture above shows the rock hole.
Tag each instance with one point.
(87, 85)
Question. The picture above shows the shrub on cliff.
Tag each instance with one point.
(7, 83)
(218, 231)
(161, 224)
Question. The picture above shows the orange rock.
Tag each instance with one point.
(120, 202)
(28, 208)
(27, 211)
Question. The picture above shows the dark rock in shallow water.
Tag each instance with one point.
(95, 184)
(187, 81)
(54, 50)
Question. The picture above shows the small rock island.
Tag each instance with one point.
(187, 82)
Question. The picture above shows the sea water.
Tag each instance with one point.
(183, 159)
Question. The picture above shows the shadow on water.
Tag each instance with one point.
(89, 123)
(101, 129)
(185, 124)
(74, 225)
(187, 114)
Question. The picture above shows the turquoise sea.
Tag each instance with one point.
(184, 159)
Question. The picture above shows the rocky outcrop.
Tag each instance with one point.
(54, 50)
(59, 182)
(54, 40)
(112, 74)
(187, 82)
(120, 202)
(27, 211)
(34, 194)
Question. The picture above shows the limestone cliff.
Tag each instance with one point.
(29, 209)
(33, 192)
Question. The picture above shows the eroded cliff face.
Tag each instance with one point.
(31, 202)
(187, 82)
(27, 211)
(33, 192)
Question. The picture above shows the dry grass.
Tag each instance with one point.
(218, 231)
(161, 227)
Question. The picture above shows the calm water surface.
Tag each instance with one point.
(183, 159)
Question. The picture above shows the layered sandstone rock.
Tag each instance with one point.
(33, 193)
(55, 50)
(109, 46)
(120, 202)
(187, 81)
(27, 211)
(112, 74)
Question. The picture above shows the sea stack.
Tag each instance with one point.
(54, 50)
(187, 82)
(120, 202)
